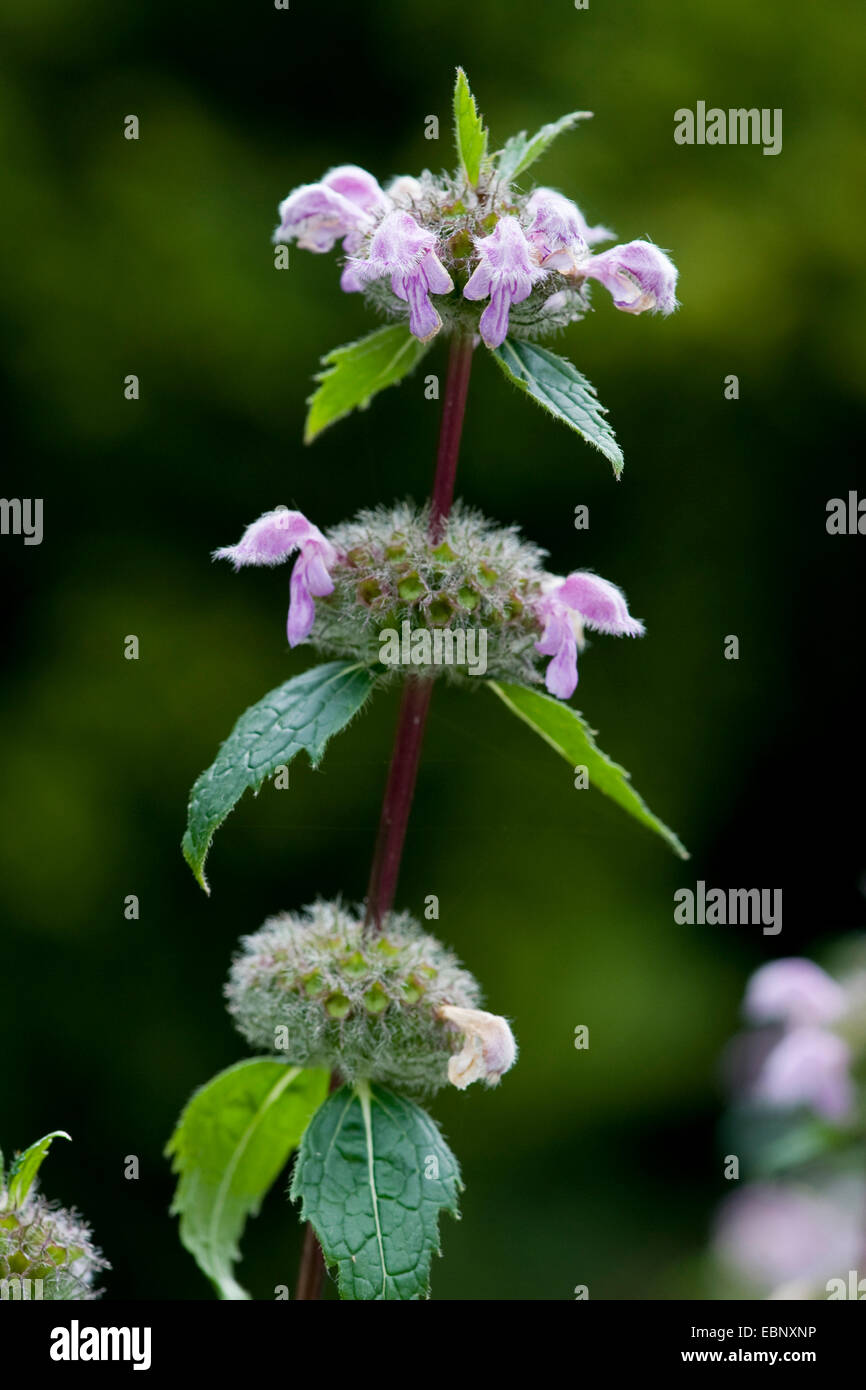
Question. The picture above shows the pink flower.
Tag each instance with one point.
(505, 274)
(343, 204)
(581, 600)
(793, 991)
(559, 233)
(270, 541)
(638, 275)
(488, 1048)
(778, 1233)
(808, 1066)
(406, 252)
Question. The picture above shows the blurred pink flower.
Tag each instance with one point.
(777, 1233)
(793, 991)
(808, 1066)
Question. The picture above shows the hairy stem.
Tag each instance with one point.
(311, 1270)
(400, 786)
(450, 431)
(397, 800)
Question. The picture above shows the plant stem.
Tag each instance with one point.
(397, 800)
(311, 1271)
(403, 771)
(450, 431)
(402, 774)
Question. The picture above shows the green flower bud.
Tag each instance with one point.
(464, 588)
(320, 990)
(46, 1251)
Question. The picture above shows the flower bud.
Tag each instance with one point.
(319, 989)
(46, 1251)
(488, 1049)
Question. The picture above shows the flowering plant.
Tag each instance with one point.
(359, 1012)
(795, 1228)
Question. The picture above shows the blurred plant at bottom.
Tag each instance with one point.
(796, 1228)
(46, 1251)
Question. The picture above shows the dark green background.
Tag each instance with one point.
(598, 1168)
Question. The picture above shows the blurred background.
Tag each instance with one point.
(153, 257)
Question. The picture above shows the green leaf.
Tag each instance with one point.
(801, 1144)
(558, 386)
(469, 129)
(372, 1175)
(302, 714)
(520, 151)
(231, 1141)
(358, 371)
(563, 728)
(27, 1164)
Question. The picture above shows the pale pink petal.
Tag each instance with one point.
(437, 277)
(488, 1049)
(793, 991)
(638, 275)
(493, 324)
(506, 272)
(808, 1066)
(302, 610)
(357, 185)
(404, 252)
(558, 224)
(424, 321)
(350, 281)
(601, 604)
(478, 284)
(317, 216)
(271, 539)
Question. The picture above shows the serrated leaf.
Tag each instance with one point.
(303, 714)
(521, 150)
(24, 1168)
(470, 135)
(372, 1175)
(232, 1140)
(557, 386)
(356, 373)
(564, 729)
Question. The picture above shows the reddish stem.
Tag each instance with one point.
(402, 774)
(450, 431)
(311, 1272)
(397, 800)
